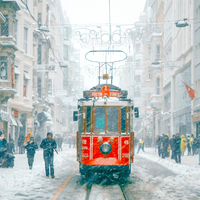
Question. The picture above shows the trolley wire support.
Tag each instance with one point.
(88, 190)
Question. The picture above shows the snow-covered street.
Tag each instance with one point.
(153, 178)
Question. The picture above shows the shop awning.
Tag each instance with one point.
(13, 121)
(18, 122)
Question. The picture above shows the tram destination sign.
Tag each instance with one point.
(105, 92)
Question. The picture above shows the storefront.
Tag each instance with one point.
(196, 121)
(15, 125)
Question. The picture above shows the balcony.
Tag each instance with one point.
(156, 101)
(8, 42)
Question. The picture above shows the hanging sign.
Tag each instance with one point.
(105, 92)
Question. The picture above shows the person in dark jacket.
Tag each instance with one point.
(172, 144)
(3, 144)
(11, 146)
(38, 139)
(49, 145)
(20, 144)
(158, 143)
(177, 148)
(59, 141)
(165, 141)
(31, 146)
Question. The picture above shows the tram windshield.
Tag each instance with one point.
(112, 119)
(100, 120)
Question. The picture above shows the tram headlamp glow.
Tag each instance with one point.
(105, 148)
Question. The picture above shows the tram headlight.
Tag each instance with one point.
(105, 148)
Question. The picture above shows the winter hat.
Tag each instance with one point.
(29, 133)
(49, 134)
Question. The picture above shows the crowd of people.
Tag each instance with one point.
(177, 145)
(31, 145)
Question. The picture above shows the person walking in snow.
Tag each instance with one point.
(165, 144)
(198, 146)
(3, 144)
(177, 148)
(38, 139)
(141, 145)
(158, 143)
(49, 145)
(189, 145)
(27, 138)
(11, 146)
(59, 141)
(183, 144)
(31, 146)
(20, 144)
(192, 144)
(172, 145)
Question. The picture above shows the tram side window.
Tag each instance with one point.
(79, 121)
(88, 119)
(99, 120)
(112, 119)
(123, 120)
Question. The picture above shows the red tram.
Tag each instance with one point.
(105, 137)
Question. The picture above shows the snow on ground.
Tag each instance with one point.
(183, 184)
(20, 182)
(189, 164)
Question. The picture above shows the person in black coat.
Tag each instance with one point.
(31, 146)
(158, 143)
(59, 141)
(38, 139)
(20, 144)
(49, 145)
(172, 145)
(3, 143)
(177, 149)
(11, 146)
(165, 144)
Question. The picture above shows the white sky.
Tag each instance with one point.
(96, 12)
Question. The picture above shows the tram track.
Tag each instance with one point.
(121, 186)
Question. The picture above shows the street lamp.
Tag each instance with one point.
(181, 23)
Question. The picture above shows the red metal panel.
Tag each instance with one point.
(96, 147)
(91, 155)
(85, 148)
(125, 150)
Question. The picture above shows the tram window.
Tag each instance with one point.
(112, 119)
(79, 121)
(123, 120)
(88, 119)
(99, 120)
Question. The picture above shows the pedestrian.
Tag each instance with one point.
(192, 143)
(198, 146)
(177, 148)
(27, 138)
(141, 145)
(11, 146)
(194, 147)
(3, 144)
(59, 141)
(165, 144)
(31, 146)
(158, 143)
(168, 148)
(189, 145)
(183, 144)
(48, 145)
(172, 145)
(38, 139)
(20, 144)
